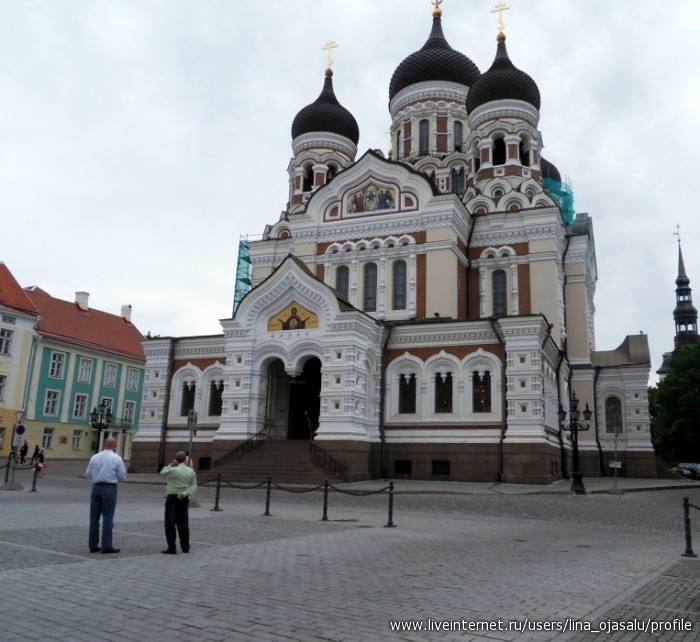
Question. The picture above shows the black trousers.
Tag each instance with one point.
(177, 520)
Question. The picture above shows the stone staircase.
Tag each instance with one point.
(285, 461)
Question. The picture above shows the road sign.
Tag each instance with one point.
(615, 464)
(19, 429)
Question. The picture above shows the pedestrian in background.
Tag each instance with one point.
(41, 460)
(104, 470)
(35, 455)
(23, 453)
(182, 483)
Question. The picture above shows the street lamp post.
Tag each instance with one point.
(100, 420)
(575, 427)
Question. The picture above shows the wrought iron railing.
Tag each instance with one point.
(248, 446)
(327, 461)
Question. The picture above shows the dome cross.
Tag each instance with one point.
(499, 9)
(330, 45)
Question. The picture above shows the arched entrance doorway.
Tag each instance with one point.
(304, 400)
(290, 398)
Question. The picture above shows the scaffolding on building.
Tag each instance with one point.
(563, 196)
(244, 273)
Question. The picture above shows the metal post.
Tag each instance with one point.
(688, 541)
(37, 468)
(218, 492)
(7, 468)
(390, 523)
(267, 498)
(325, 501)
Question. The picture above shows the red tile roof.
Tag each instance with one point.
(66, 321)
(11, 293)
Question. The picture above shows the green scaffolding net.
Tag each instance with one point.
(244, 273)
(563, 196)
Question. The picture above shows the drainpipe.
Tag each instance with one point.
(564, 354)
(564, 467)
(504, 405)
(469, 261)
(382, 385)
(595, 414)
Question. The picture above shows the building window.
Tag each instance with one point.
(459, 136)
(613, 416)
(51, 403)
(524, 155)
(407, 394)
(56, 368)
(8, 319)
(80, 407)
(457, 177)
(5, 340)
(77, 441)
(110, 375)
(342, 280)
(499, 293)
(399, 285)
(216, 401)
(370, 287)
(499, 152)
(423, 137)
(443, 392)
(187, 400)
(85, 370)
(132, 379)
(482, 392)
(398, 144)
(47, 439)
(3, 380)
(129, 410)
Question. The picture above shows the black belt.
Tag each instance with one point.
(104, 484)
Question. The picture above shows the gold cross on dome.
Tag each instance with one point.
(330, 45)
(437, 3)
(499, 9)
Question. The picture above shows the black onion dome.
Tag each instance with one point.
(503, 81)
(548, 170)
(326, 114)
(436, 60)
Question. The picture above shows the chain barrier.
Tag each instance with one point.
(13, 466)
(686, 518)
(326, 486)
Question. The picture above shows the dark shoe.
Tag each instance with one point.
(105, 551)
(185, 550)
(95, 550)
(167, 551)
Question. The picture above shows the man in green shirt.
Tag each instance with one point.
(182, 482)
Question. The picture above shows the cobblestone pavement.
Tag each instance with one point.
(540, 562)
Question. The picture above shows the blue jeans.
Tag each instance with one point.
(103, 502)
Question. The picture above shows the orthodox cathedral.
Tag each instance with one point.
(424, 313)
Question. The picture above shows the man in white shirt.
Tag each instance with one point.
(104, 470)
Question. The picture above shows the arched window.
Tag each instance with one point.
(481, 396)
(499, 293)
(308, 179)
(187, 399)
(399, 285)
(398, 145)
(613, 416)
(524, 155)
(499, 152)
(423, 137)
(342, 280)
(458, 136)
(407, 394)
(443, 392)
(457, 180)
(332, 171)
(216, 389)
(370, 287)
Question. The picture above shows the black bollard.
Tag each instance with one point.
(688, 540)
(37, 468)
(218, 492)
(325, 501)
(390, 523)
(267, 499)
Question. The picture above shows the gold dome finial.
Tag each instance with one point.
(330, 45)
(437, 12)
(499, 9)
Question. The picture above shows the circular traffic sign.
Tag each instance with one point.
(19, 429)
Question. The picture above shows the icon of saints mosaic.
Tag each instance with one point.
(372, 198)
(293, 317)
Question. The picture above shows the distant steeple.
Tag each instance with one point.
(685, 314)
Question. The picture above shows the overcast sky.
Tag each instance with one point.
(140, 139)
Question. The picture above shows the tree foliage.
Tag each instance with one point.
(675, 408)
